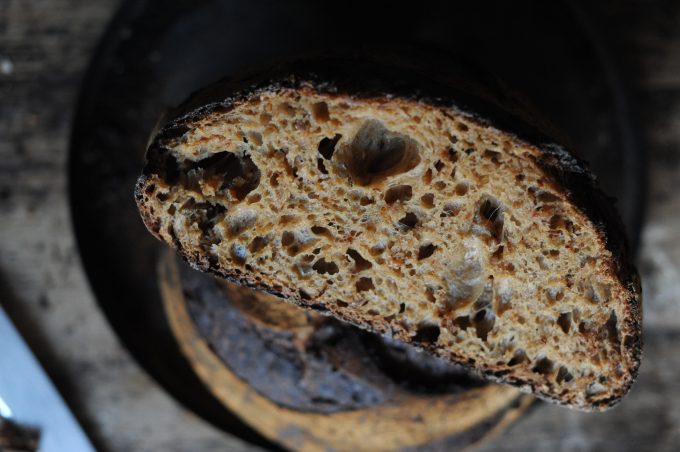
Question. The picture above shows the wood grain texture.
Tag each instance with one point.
(44, 50)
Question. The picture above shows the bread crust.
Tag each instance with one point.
(373, 77)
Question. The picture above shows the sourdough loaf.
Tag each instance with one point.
(413, 205)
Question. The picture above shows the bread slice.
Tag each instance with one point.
(408, 206)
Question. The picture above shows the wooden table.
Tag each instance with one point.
(44, 49)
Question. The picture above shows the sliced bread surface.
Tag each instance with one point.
(406, 214)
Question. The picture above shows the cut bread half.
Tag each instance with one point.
(380, 196)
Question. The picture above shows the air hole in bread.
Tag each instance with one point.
(254, 198)
(494, 156)
(320, 230)
(497, 255)
(320, 165)
(427, 200)
(426, 251)
(484, 323)
(294, 249)
(489, 218)
(288, 219)
(409, 221)
(564, 321)
(612, 330)
(364, 284)
(327, 146)
(546, 196)
(462, 188)
(360, 264)
(462, 322)
(543, 366)
(226, 171)
(366, 200)
(287, 238)
(563, 375)
(400, 193)
(439, 185)
(427, 333)
(376, 153)
(378, 249)
(429, 293)
(519, 357)
(204, 214)
(427, 177)
(257, 244)
(559, 222)
(255, 138)
(221, 172)
(324, 267)
(320, 111)
(286, 109)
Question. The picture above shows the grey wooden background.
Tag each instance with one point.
(45, 46)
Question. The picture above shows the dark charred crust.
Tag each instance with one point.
(151, 223)
(170, 133)
(572, 177)
(460, 89)
(372, 74)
